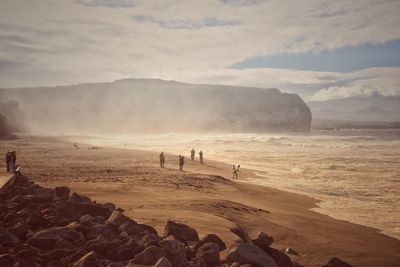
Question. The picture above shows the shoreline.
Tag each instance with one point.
(201, 199)
(330, 201)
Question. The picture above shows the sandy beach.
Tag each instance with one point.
(203, 196)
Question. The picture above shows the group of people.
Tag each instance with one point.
(182, 159)
(11, 160)
(193, 154)
(235, 172)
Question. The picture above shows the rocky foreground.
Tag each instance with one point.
(53, 227)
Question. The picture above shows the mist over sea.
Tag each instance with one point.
(355, 173)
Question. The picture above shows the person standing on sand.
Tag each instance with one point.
(181, 162)
(8, 160)
(162, 160)
(201, 156)
(13, 160)
(237, 172)
(192, 153)
(234, 173)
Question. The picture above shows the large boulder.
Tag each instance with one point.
(118, 218)
(248, 253)
(263, 240)
(209, 252)
(149, 256)
(181, 231)
(175, 251)
(281, 259)
(211, 238)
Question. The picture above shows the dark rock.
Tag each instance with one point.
(63, 244)
(99, 246)
(7, 235)
(6, 260)
(149, 256)
(211, 238)
(19, 229)
(175, 251)
(248, 253)
(35, 221)
(78, 227)
(88, 260)
(263, 240)
(118, 218)
(62, 191)
(26, 263)
(16, 181)
(110, 206)
(79, 198)
(45, 243)
(281, 259)
(209, 252)
(336, 262)
(56, 254)
(80, 208)
(107, 231)
(122, 252)
(26, 252)
(197, 263)
(137, 229)
(149, 240)
(180, 230)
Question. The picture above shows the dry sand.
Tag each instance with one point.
(202, 198)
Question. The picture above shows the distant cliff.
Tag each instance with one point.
(148, 105)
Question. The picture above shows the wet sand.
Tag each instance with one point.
(201, 197)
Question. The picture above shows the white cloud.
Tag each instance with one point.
(365, 83)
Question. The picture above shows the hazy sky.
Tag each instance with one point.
(321, 49)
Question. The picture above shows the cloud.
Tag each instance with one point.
(367, 83)
(106, 3)
(186, 24)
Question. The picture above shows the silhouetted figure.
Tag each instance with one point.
(237, 172)
(234, 172)
(181, 162)
(192, 154)
(162, 160)
(8, 160)
(201, 156)
(13, 160)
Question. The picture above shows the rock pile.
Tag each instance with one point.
(57, 228)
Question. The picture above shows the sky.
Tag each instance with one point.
(320, 49)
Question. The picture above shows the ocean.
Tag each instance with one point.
(354, 173)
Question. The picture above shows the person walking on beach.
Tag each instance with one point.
(234, 173)
(162, 160)
(201, 156)
(8, 160)
(237, 172)
(181, 162)
(192, 153)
